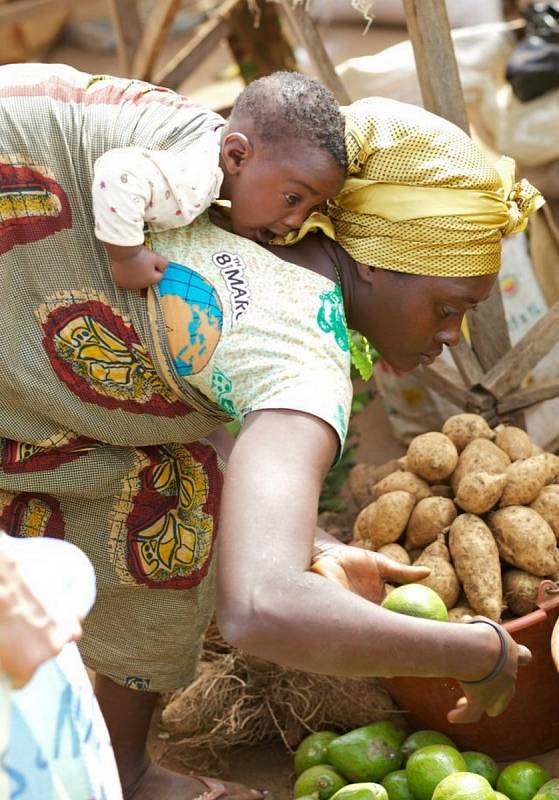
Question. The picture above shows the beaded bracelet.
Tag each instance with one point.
(503, 657)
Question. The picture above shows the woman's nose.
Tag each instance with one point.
(449, 336)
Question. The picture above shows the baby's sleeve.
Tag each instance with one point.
(133, 186)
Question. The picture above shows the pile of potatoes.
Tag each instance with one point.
(479, 507)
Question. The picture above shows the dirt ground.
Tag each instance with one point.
(265, 766)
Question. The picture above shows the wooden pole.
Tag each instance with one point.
(128, 29)
(437, 71)
(155, 30)
(305, 29)
(259, 50)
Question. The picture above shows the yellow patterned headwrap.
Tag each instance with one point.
(421, 197)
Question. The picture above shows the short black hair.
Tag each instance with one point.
(289, 104)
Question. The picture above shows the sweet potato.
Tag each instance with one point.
(361, 480)
(442, 578)
(428, 519)
(432, 456)
(478, 492)
(525, 540)
(524, 481)
(458, 613)
(514, 441)
(464, 428)
(396, 552)
(520, 590)
(551, 467)
(476, 561)
(481, 455)
(547, 506)
(402, 481)
(383, 521)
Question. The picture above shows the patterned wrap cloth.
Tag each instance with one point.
(420, 196)
(107, 395)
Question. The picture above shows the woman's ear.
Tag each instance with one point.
(365, 272)
(236, 150)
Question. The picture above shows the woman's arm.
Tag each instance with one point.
(272, 606)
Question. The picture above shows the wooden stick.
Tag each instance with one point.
(524, 398)
(429, 30)
(467, 363)
(204, 41)
(23, 9)
(155, 30)
(446, 381)
(262, 50)
(128, 30)
(305, 29)
(518, 361)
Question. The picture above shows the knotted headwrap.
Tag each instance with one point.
(420, 196)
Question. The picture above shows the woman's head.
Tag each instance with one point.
(410, 318)
(421, 197)
(423, 213)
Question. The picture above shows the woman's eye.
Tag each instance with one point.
(292, 199)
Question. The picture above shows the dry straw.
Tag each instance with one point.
(238, 700)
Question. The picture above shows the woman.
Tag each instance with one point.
(99, 386)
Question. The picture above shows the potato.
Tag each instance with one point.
(360, 481)
(551, 467)
(403, 482)
(458, 613)
(547, 506)
(414, 553)
(524, 481)
(443, 578)
(396, 552)
(476, 561)
(514, 441)
(478, 492)
(525, 540)
(464, 428)
(432, 456)
(428, 519)
(520, 590)
(481, 455)
(383, 521)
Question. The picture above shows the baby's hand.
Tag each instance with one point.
(137, 268)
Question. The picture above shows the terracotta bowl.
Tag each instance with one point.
(530, 724)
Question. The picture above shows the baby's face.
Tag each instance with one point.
(277, 189)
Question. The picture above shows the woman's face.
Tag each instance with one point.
(410, 318)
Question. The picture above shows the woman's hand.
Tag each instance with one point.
(28, 634)
(493, 696)
(363, 572)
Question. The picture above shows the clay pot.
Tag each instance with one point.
(530, 724)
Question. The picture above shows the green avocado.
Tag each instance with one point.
(369, 753)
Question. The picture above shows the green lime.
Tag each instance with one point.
(321, 780)
(464, 786)
(368, 754)
(522, 779)
(481, 764)
(416, 600)
(428, 766)
(361, 791)
(549, 791)
(396, 784)
(500, 796)
(421, 739)
(312, 750)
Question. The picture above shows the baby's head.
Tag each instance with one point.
(282, 154)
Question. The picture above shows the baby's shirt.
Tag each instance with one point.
(133, 186)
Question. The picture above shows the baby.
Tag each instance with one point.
(280, 154)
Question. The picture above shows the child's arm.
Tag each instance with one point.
(133, 186)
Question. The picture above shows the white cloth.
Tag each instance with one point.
(133, 186)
